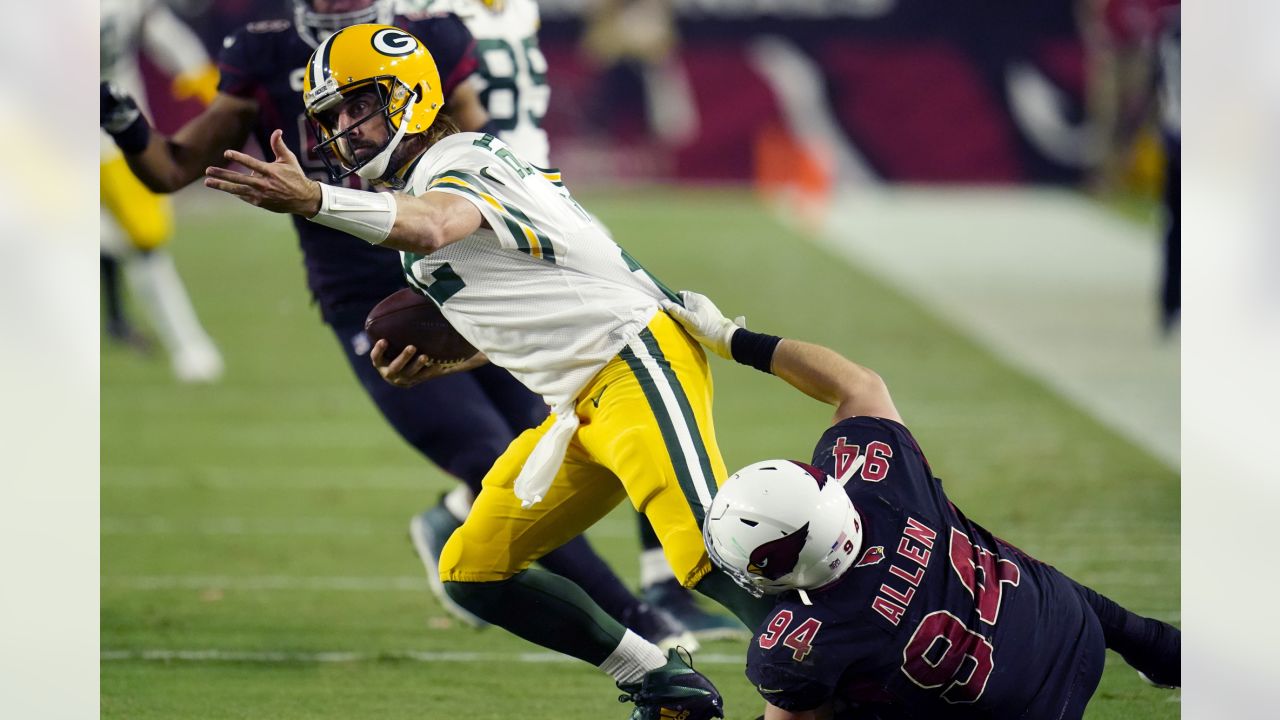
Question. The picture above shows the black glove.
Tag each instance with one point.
(120, 117)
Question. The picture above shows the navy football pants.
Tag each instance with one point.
(460, 422)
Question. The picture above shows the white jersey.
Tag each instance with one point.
(543, 291)
(512, 78)
(131, 26)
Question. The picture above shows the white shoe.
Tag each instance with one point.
(200, 363)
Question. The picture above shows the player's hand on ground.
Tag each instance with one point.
(406, 370)
(278, 186)
(704, 321)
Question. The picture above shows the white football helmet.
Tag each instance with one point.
(780, 525)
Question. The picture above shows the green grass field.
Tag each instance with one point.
(255, 560)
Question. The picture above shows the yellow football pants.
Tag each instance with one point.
(144, 216)
(645, 434)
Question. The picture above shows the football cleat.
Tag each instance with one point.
(670, 596)
(430, 530)
(658, 627)
(197, 362)
(674, 691)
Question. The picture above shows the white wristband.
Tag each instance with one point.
(367, 215)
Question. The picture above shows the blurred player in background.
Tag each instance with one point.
(462, 422)
(892, 603)
(642, 91)
(512, 84)
(1168, 51)
(1135, 103)
(528, 277)
(136, 224)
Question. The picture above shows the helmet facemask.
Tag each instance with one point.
(389, 102)
(314, 26)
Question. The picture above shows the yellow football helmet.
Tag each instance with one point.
(369, 74)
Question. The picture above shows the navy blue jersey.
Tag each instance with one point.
(936, 619)
(265, 62)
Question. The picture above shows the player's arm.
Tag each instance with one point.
(826, 375)
(465, 109)
(175, 47)
(421, 224)
(167, 164)
(819, 372)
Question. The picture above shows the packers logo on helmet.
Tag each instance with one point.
(394, 42)
(365, 88)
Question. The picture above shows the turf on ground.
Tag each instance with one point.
(249, 526)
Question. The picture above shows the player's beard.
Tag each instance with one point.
(411, 147)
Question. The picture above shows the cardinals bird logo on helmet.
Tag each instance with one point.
(778, 525)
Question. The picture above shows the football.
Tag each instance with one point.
(407, 318)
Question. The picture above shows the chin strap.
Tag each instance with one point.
(377, 167)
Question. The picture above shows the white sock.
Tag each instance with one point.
(654, 568)
(155, 279)
(458, 502)
(633, 657)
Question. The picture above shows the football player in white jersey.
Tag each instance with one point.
(525, 275)
(136, 224)
(512, 77)
(512, 85)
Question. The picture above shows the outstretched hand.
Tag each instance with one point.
(278, 186)
(704, 321)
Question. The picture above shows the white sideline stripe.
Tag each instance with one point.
(1101, 581)
(296, 477)
(1047, 280)
(158, 525)
(415, 583)
(339, 656)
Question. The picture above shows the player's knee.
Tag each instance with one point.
(468, 558)
(484, 599)
(149, 236)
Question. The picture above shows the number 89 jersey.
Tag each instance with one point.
(513, 72)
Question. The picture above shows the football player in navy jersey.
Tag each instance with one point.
(892, 603)
(461, 421)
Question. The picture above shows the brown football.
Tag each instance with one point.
(406, 318)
